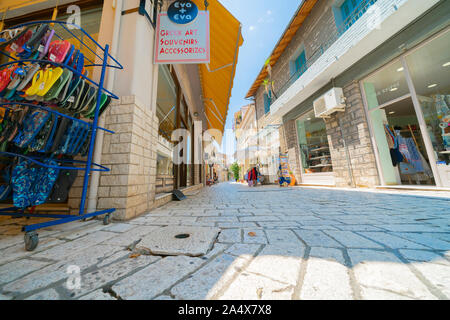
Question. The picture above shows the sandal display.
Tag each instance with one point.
(47, 118)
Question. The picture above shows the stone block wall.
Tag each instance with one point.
(292, 148)
(130, 153)
(352, 126)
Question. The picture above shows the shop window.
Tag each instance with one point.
(350, 11)
(166, 103)
(267, 101)
(314, 147)
(396, 129)
(300, 64)
(386, 85)
(429, 67)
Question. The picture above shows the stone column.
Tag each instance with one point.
(352, 126)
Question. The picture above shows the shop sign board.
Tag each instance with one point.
(182, 43)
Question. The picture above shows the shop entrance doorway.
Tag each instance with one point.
(408, 104)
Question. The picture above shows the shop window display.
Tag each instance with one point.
(314, 147)
(166, 112)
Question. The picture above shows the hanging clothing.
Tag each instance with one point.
(408, 148)
(396, 155)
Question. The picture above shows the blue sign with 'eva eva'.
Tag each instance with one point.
(182, 12)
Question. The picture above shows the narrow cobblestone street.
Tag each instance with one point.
(299, 243)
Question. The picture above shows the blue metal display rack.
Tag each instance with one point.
(105, 60)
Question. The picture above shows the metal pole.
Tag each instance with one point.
(94, 131)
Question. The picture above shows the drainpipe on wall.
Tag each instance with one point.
(97, 158)
(352, 182)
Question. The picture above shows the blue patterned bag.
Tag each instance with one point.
(31, 184)
(32, 125)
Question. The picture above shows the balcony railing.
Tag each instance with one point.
(338, 32)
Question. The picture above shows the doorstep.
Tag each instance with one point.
(414, 188)
(315, 185)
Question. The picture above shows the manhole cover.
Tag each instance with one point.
(182, 236)
(196, 241)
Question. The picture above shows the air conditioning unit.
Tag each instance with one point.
(329, 103)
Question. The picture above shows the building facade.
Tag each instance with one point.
(247, 146)
(155, 100)
(388, 58)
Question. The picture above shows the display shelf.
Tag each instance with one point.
(321, 157)
(321, 166)
(319, 149)
(48, 109)
(103, 59)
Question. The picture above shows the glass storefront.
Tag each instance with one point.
(173, 113)
(314, 147)
(408, 103)
(166, 110)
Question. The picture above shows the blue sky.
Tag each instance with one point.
(263, 23)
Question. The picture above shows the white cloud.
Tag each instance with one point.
(269, 12)
(251, 28)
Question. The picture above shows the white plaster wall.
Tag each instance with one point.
(136, 55)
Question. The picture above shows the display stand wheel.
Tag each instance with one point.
(107, 219)
(31, 240)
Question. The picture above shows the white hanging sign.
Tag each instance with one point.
(182, 43)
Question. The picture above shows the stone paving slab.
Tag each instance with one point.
(156, 278)
(301, 243)
(50, 294)
(326, 280)
(385, 271)
(99, 278)
(16, 269)
(97, 295)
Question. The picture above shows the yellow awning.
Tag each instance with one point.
(16, 4)
(217, 77)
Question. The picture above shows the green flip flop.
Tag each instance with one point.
(91, 112)
(58, 86)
